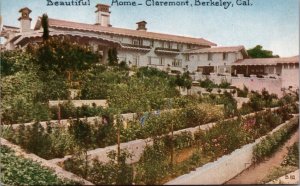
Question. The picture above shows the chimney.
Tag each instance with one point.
(103, 15)
(142, 26)
(25, 20)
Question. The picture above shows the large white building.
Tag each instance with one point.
(171, 53)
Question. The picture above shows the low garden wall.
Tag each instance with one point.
(226, 167)
(79, 103)
(60, 172)
(196, 89)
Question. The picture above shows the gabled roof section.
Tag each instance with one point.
(55, 23)
(226, 49)
(267, 61)
(5, 30)
(216, 50)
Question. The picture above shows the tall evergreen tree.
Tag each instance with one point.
(45, 26)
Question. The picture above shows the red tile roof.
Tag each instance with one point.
(216, 50)
(267, 61)
(55, 23)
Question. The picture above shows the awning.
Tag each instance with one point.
(266, 61)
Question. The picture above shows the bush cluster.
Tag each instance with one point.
(20, 171)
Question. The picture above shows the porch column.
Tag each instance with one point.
(105, 56)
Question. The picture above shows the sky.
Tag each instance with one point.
(274, 24)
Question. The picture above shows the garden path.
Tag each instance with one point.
(256, 173)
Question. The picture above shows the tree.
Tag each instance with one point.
(61, 55)
(15, 61)
(258, 52)
(45, 27)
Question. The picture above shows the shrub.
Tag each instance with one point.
(200, 114)
(113, 172)
(272, 142)
(207, 83)
(153, 166)
(224, 84)
(242, 93)
(292, 158)
(19, 171)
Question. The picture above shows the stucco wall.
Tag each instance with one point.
(257, 84)
(290, 77)
(217, 60)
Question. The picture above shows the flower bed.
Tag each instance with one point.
(19, 171)
(272, 142)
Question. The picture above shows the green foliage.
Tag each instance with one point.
(45, 27)
(258, 52)
(62, 55)
(180, 141)
(292, 158)
(230, 104)
(151, 72)
(207, 83)
(112, 57)
(14, 61)
(54, 86)
(200, 114)
(20, 98)
(97, 83)
(223, 138)
(287, 99)
(113, 172)
(272, 142)
(224, 84)
(153, 165)
(19, 171)
(142, 94)
(82, 132)
(242, 93)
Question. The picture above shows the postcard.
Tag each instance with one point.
(149, 92)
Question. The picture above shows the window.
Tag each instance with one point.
(225, 56)
(135, 60)
(209, 56)
(152, 43)
(161, 61)
(187, 57)
(188, 46)
(137, 42)
(166, 44)
(176, 63)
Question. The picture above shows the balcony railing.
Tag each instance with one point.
(167, 51)
(136, 47)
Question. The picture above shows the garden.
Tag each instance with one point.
(33, 77)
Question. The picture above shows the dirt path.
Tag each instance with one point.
(184, 154)
(254, 174)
